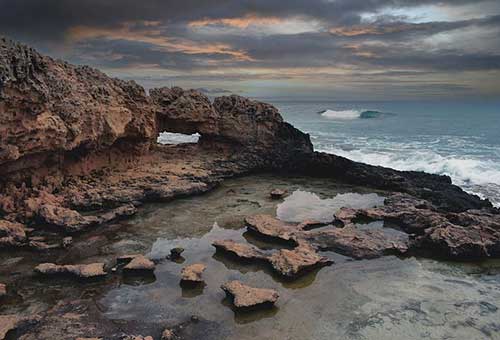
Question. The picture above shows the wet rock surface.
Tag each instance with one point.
(84, 271)
(467, 235)
(16, 324)
(240, 250)
(249, 297)
(301, 259)
(3, 290)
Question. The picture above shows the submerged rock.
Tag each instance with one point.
(176, 253)
(248, 297)
(140, 263)
(303, 258)
(193, 273)
(84, 271)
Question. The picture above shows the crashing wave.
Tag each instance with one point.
(477, 176)
(352, 114)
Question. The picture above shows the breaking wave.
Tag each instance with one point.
(477, 176)
(352, 114)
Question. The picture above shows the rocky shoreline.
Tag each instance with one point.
(78, 151)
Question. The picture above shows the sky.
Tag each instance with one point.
(337, 49)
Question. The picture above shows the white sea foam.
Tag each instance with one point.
(346, 114)
(477, 176)
(177, 138)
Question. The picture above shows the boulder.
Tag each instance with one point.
(277, 193)
(193, 273)
(176, 253)
(84, 271)
(248, 297)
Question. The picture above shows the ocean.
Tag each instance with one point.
(458, 139)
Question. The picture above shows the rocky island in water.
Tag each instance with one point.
(248, 233)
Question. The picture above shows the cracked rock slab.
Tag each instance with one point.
(85, 271)
(240, 250)
(269, 226)
(247, 297)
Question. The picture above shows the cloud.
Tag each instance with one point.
(237, 41)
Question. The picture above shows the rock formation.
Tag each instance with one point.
(73, 140)
(84, 271)
(248, 297)
(139, 263)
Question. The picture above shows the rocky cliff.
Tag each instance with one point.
(73, 140)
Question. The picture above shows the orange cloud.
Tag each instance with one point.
(151, 33)
(242, 22)
(357, 30)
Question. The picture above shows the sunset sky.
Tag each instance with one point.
(340, 49)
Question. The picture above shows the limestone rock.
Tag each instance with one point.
(241, 250)
(84, 271)
(358, 243)
(291, 263)
(247, 297)
(269, 226)
(140, 263)
(193, 273)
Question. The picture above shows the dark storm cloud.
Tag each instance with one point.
(49, 19)
(196, 36)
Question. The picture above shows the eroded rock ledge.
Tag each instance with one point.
(78, 149)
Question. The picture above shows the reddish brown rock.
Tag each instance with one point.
(140, 263)
(3, 290)
(241, 250)
(358, 243)
(12, 323)
(269, 226)
(12, 234)
(303, 258)
(84, 271)
(248, 297)
(193, 273)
